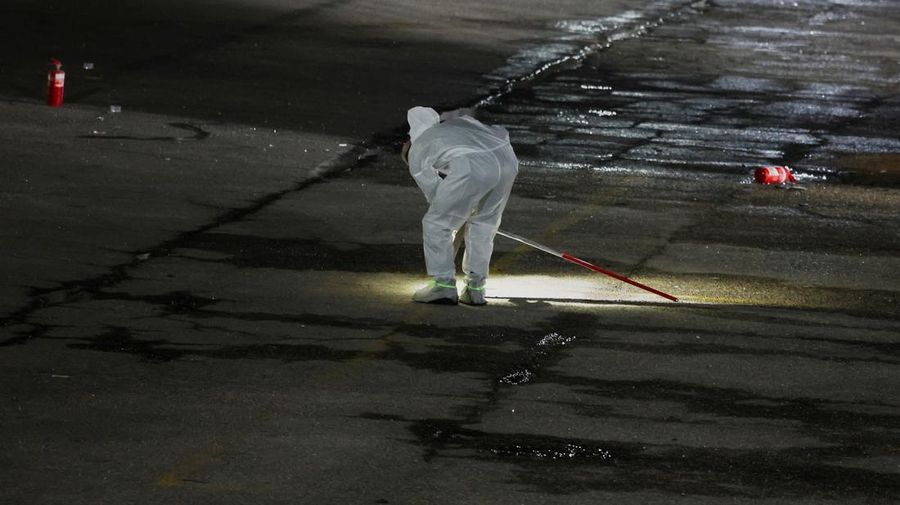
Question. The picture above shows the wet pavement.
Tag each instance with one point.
(251, 338)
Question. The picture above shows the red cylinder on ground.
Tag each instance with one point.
(56, 83)
(773, 175)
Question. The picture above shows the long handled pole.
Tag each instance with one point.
(580, 262)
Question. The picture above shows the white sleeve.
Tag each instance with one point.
(421, 167)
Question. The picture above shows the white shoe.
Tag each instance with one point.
(438, 291)
(472, 296)
(473, 292)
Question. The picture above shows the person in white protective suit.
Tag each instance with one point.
(466, 170)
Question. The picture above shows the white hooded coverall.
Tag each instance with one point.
(479, 167)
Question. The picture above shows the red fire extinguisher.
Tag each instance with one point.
(56, 83)
(773, 175)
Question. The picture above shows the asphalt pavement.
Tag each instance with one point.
(206, 295)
